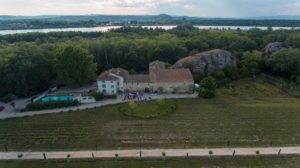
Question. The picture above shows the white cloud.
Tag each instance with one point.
(213, 8)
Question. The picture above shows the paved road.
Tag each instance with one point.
(12, 114)
(150, 153)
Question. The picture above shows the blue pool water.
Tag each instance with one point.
(47, 99)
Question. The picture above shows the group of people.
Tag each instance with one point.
(138, 96)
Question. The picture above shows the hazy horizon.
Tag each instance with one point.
(199, 8)
(100, 14)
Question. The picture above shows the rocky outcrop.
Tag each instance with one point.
(214, 60)
(185, 25)
(271, 48)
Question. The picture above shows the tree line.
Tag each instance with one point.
(31, 63)
(14, 23)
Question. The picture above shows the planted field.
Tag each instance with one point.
(291, 162)
(147, 110)
(245, 113)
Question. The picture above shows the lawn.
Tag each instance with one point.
(289, 161)
(246, 113)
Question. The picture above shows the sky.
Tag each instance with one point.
(202, 8)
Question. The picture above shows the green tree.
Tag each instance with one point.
(219, 74)
(285, 63)
(293, 40)
(98, 96)
(298, 80)
(231, 71)
(8, 98)
(75, 66)
(251, 63)
(208, 87)
(25, 69)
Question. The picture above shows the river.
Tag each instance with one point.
(106, 28)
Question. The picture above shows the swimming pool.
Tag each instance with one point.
(63, 98)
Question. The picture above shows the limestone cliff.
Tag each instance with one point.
(271, 48)
(213, 60)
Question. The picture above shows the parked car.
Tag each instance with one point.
(2, 108)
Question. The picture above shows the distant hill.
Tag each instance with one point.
(97, 18)
(142, 18)
(8, 17)
(279, 17)
(69, 21)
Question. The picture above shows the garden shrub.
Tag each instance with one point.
(208, 87)
(110, 96)
(132, 105)
(97, 95)
(160, 102)
(231, 71)
(219, 75)
(51, 105)
(8, 98)
(205, 93)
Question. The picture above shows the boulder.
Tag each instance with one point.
(214, 60)
(271, 48)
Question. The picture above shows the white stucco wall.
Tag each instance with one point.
(120, 83)
(107, 87)
(87, 100)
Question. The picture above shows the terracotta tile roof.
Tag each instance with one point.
(106, 76)
(171, 76)
(158, 74)
(119, 71)
(137, 79)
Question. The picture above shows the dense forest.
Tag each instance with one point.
(31, 63)
(39, 22)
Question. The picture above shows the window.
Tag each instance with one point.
(113, 92)
(104, 91)
(112, 86)
(104, 86)
(111, 81)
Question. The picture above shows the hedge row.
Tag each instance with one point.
(51, 105)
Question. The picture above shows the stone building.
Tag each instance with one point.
(159, 80)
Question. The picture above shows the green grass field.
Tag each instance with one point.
(148, 110)
(247, 113)
(265, 162)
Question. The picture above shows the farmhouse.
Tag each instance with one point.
(112, 81)
(159, 80)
